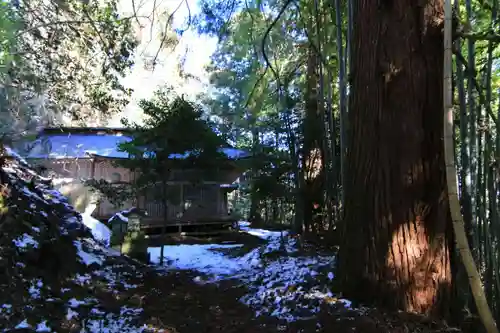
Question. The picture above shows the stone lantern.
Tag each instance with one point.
(127, 234)
(134, 221)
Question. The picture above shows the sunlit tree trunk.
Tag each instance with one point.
(397, 231)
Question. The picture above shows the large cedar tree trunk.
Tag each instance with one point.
(397, 231)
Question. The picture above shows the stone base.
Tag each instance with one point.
(135, 245)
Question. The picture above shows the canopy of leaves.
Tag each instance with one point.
(259, 74)
(62, 58)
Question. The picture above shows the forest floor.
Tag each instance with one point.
(58, 278)
(264, 285)
(261, 281)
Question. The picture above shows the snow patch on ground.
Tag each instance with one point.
(9, 151)
(88, 312)
(99, 230)
(261, 233)
(105, 322)
(204, 258)
(25, 241)
(63, 181)
(280, 281)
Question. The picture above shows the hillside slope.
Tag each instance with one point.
(55, 275)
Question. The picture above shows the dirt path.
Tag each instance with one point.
(175, 303)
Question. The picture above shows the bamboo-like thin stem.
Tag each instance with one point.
(451, 178)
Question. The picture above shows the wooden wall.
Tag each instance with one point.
(187, 202)
(225, 176)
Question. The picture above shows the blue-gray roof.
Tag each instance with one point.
(58, 146)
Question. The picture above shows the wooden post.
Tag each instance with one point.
(181, 199)
(225, 205)
(92, 168)
(92, 176)
(219, 189)
(162, 254)
(137, 195)
(181, 196)
(165, 211)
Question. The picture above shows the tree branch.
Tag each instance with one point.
(479, 36)
(266, 35)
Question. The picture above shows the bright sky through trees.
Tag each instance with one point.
(193, 51)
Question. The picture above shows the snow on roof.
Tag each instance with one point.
(234, 153)
(59, 146)
(78, 146)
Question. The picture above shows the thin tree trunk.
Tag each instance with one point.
(275, 198)
(332, 186)
(473, 135)
(313, 160)
(397, 224)
(323, 204)
(298, 217)
(465, 175)
(255, 204)
(490, 215)
(451, 179)
(165, 216)
(342, 97)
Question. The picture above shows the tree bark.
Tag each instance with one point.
(397, 231)
(254, 214)
(313, 155)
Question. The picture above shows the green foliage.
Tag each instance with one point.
(115, 193)
(174, 136)
(62, 59)
(274, 178)
(258, 105)
(9, 25)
